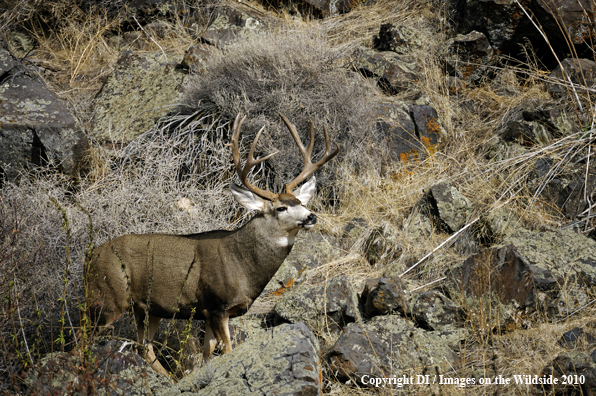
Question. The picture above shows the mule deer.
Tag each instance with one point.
(213, 275)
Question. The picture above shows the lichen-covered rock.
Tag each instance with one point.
(196, 56)
(388, 345)
(397, 39)
(36, 127)
(578, 367)
(576, 338)
(106, 371)
(284, 362)
(428, 129)
(453, 207)
(526, 133)
(469, 57)
(399, 131)
(141, 89)
(394, 73)
(387, 296)
(434, 311)
(326, 307)
(309, 251)
(563, 186)
(564, 253)
(230, 23)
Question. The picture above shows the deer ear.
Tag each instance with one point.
(246, 198)
(306, 191)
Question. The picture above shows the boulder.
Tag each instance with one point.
(326, 307)
(141, 89)
(579, 370)
(434, 311)
(388, 295)
(579, 71)
(388, 345)
(399, 131)
(397, 39)
(506, 25)
(285, 361)
(36, 127)
(110, 369)
(230, 23)
(393, 73)
(469, 57)
(428, 129)
(576, 338)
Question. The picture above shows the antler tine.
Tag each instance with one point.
(251, 162)
(309, 167)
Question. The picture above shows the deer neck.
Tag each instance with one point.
(266, 247)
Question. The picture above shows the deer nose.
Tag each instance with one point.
(311, 219)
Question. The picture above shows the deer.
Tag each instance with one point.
(210, 276)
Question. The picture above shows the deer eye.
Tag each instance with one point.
(281, 209)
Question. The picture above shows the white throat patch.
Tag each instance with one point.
(286, 241)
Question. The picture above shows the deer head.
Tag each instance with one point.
(287, 207)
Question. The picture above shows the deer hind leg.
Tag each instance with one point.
(151, 328)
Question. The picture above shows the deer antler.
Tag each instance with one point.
(309, 167)
(250, 161)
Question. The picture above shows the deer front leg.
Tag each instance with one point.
(216, 328)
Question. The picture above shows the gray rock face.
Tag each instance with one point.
(434, 311)
(469, 57)
(36, 127)
(394, 73)
(141, 90)
(229, 24)
(108, 371)
(388, 345)
(329, 306)
(285, 362)
(387, 296)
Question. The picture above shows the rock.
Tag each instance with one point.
(324, 8)
(396, 39)
(389, 295)
(382, 245)
(228, 24)
(141, 89)
(503, 280)
(576, 338)
(428, 129)
(578, 367)
(107, 371)
(567, 259)
(507, 26)
(563, 186)
(453, 207)
(555, 120)
(196, 56)
(285, 361)
(385, 346)
(393, 73)
(310, 249)
(434, 311)
(399, 130)
(526, 133)
(326, 307)
(502, 271)
(36, 127)
(469, 57)
(579, 71)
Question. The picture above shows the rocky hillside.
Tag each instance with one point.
(455, 248)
